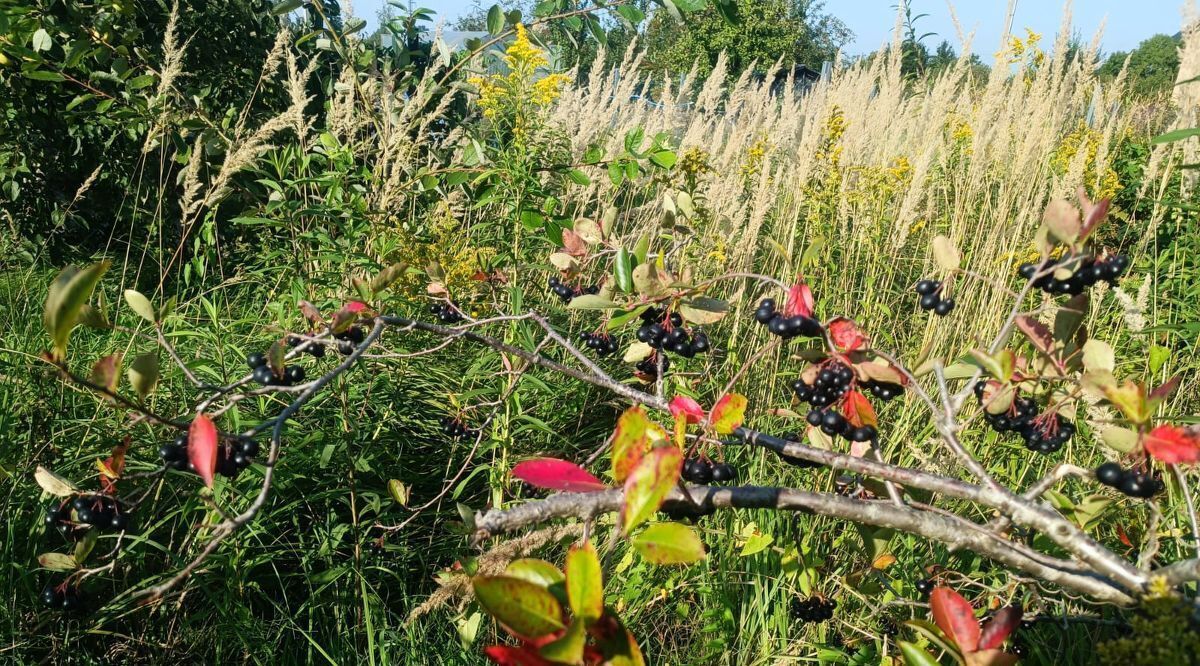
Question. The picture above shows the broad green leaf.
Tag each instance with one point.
(1177, 135)
(623, 270)
(495, 20)
(143, 374)
(578, 177)
(398, 491)
(85, 545)
(41, 40)
(57, 562)
(585, 582)
(591, 302)
(141, 305)
(67, 294)
(648, 485)
(524, 608)
(286, 6)
(1098, 355)
(538, 572)
(1119, 439)
(703, 310)
(915, 656)
(669, 543)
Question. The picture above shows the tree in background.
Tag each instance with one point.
(569, 41)
(1153, 65)
(793, 31)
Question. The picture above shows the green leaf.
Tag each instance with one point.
(85, 546)
(57, 562)
(669, 543)
(648, 485)
(616, 174)
(538, 572)
(623, 270)
(67, 294)
(915, 656)
(567, 649)
(1177, 135)
(495, 20)
(285, 6)
(1119, 439)
(44, 75)
(585, 582)
(41, 40)
(526, 609)
(664, 158)
(139, 82)
(143, 374)
(578, 177)
(141, 305)
(703, 310)
(398, 491)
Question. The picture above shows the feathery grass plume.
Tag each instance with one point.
(172, 70)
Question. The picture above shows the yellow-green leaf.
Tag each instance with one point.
(729, 412)
(567, 649)
(524, 608)
(585, 582)
(669, 543)
(107, 371)
(538, 572)
(143, 374)
(67, 295)
(648, 485)
(57, 562)
(141, 305)
(398, 491)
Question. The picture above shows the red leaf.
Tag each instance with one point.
(311, 313)
(1002, 624)
(1038, 333)
(574, 244)
(858, 410)
(1173, 445)
(846, 336)
(799, 301)
(1093, 213)
(346, 317)
(202, 448)
(507, 655)
(114, 467)
(555, 474)
(1124, 537)
(681, 404)
(954, 616)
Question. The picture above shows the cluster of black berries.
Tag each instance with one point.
(447, 313)
(1044, 433)
(703, 470)
(99, 511)
(796, 462)
(455, 428)
(601, 343)
(813, 609)
(62, 597)
(924, 587)
(649, 365)
(673, 337)
(1134, 484)
(786, 327)
(231, 458)
(832, 384)
(566, 292)
(316, 349)
(1090, 271)
(349, 339)
(262, 373)
(833, 424)
(931, 298)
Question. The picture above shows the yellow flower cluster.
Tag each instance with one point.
(1102, 184)
(519, 93)
(831, 144)
(1026, 53)
(449, 247)
(695, 162)
(755, 154)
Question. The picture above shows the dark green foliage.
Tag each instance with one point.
(1165, 631)
(1153, 65)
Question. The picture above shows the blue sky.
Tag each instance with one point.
(1128, 22)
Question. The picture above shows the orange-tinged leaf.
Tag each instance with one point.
(954, 615)
(858, 410)
(202, 447)
(276, 357)
(523, 608)
(728, 413)
(648, 485)
(107, 372)
(1130, 398)
(555, 474)
(669, 543)
(799, 301)
(112, 467)
(629, 442)
(846, 336)
(345, 318)
(687, 407)
(574, 244)
(1173, 445)
(585, 582)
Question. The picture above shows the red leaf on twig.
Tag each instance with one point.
(555, 474)
(1173, 445)
(681, 404)
(507, 655)
(846, 336)
(202, 447)
(858, 410)
(1002, 624)
(954, 615)
(799, 300)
